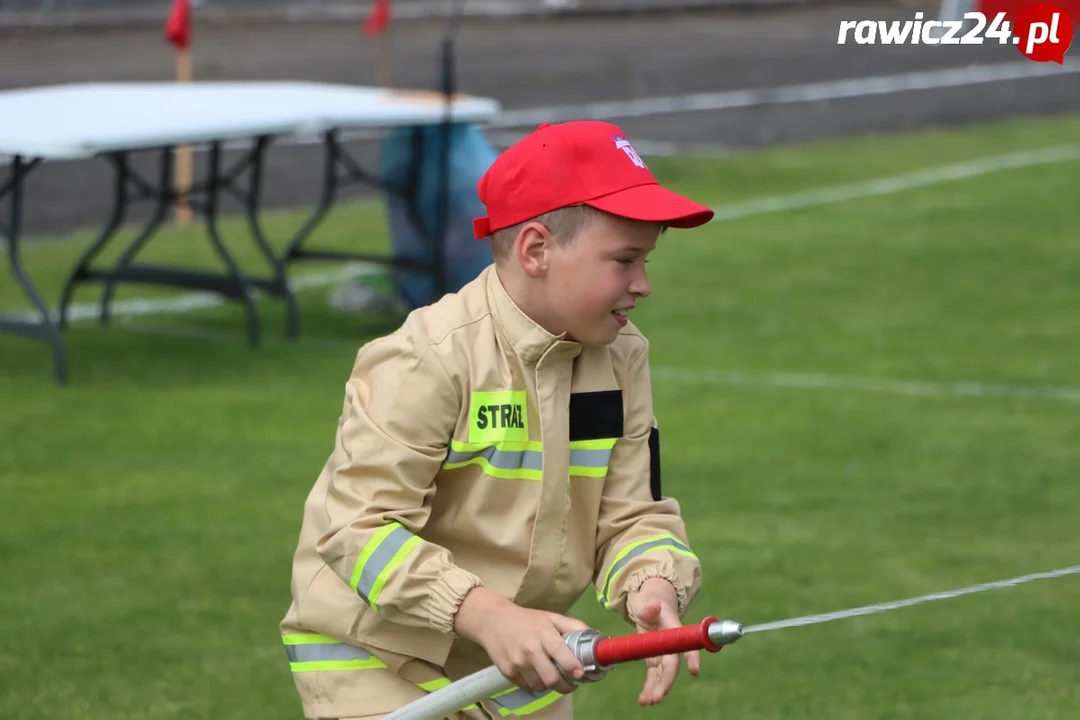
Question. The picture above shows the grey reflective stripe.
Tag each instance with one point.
(528, 459)
(636, 552)
(503, 459)
(380, 559)
(518, 699)
(320, 652)
(590, 458)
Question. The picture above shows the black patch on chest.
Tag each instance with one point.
(596, 415)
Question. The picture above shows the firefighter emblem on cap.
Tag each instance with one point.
(623, 144)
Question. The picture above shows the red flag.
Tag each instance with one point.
(178, 25)
(378, 19)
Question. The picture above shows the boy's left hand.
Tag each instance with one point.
(656, 607)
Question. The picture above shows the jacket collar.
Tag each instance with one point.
(528, 339)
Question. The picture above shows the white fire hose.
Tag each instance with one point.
(597, 654)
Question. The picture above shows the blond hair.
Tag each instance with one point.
(563, 223)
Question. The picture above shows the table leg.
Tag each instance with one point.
(332, 150)
(279, 284)
(164, 202)
(336, 158)
(43, 328)
(203, 197)
(81, 271)
(211, 217)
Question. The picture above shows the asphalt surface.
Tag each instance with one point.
(536, 63)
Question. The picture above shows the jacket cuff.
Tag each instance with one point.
(446, 596)
(663, 571)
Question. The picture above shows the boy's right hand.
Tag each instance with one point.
(526, 645)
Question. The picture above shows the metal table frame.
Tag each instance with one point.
(203, 197)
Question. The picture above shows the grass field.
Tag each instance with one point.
(150, 509)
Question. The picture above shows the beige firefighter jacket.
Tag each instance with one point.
(474, 447)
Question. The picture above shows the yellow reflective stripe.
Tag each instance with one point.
(599, 444)
(309, 639)
(310, 652)
(590, 470)
(497, 472)
(534, 445)
(667, 542)
(381, 555)
(399, 556)
(506, 445)
(586, 471)
(533, 706)
(369, 664)
(439, 684)
(369, 550)
(525, 460)
(503, 460)
(591, 458)
(520, 702)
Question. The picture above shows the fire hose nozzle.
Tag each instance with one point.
(725, 632)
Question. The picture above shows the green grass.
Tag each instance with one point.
(151, 507)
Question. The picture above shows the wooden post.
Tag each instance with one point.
(183, 166)
(385, 58)
(378, 24)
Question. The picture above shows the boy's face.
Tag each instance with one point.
(597, 278)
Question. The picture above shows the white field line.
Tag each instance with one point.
(899, 183)
(788, 94)
(503, 139)
(190, 302)
(729, 99)
(908, 388)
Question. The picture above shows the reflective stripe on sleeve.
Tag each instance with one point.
(308, 653)
(384, 552)
(661, 542)
(518, 702)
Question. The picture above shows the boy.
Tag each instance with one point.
(498, 454)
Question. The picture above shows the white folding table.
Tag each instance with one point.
(113, 120)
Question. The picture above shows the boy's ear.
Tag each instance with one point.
(533, 246)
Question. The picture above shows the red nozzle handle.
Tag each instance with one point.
(611, 651)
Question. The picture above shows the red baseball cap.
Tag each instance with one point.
(582, 162)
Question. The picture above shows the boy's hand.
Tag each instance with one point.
(656, 607)
(526, 645)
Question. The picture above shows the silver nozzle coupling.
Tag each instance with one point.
(725, 632)
(583, 644)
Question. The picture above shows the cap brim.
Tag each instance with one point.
(654, 203)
